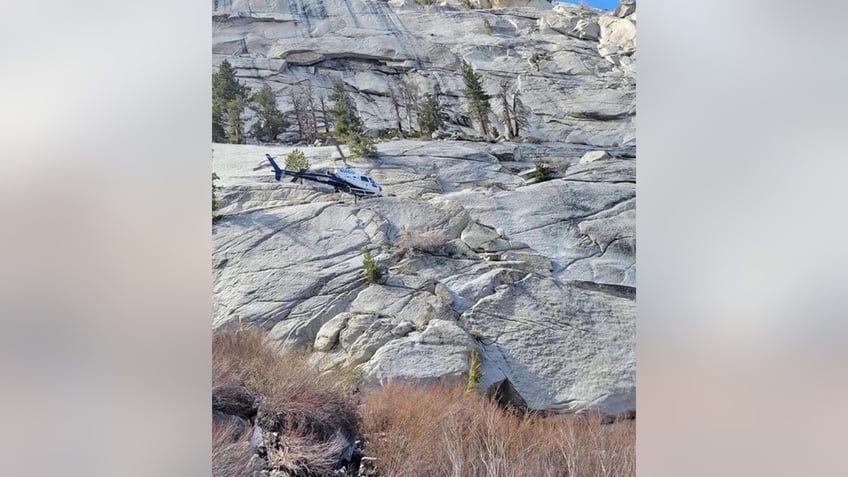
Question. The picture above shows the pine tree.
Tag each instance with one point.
(478, 99)
(228, 98)
(506, 110)
(519, 114)
(269, 120)
(296, 161)
(430, 117)
(225, 85)
(235, 129)
(219, 134)
(346, 123)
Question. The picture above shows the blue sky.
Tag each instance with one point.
(608, 4)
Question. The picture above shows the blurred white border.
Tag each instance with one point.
(741, 222)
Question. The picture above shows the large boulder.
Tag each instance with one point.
(439, 354)
(562, 347)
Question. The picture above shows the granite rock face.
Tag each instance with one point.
(538, 277)
(572, 67)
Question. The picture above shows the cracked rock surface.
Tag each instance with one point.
(574, 67)
(538, 277)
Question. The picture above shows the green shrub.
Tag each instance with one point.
(372, 272)
(467, 4)
(536, 59)
(542, 172)
(487, 26)
(363, 146)
(215, 202)
(475, 374)
(296, 161)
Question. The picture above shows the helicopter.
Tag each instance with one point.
(343, 179)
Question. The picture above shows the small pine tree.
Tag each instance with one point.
(542, 172)
(478, 99)
(475, 373)
(270, 121)
(372, 272)
(363, 146)
(430, 117)
(215, 202)
(487, 26)
(296, 161)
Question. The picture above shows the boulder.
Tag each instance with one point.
(328, 335)
(438, 355)
(593, 156)
(561, 346)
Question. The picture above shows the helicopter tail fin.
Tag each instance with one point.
(278, 173)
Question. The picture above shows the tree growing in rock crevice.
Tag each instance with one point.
(310, 103)
(324, 118)
(513, 111)
(346, 121)
(228, 100)
(409, 97)
(430, 116)
(347, 125)
(305, 112)
(393, 97)
(478, 99)
(269, 120)
(519, 114)
(506, 111)
(299, 113)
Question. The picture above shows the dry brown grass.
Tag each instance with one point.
(230, 451)
(306, 416)
(444, 431)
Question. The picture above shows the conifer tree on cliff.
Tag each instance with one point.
(269, 119)
(228, 99)
(347, 125)
(430, 116)
(478, 99)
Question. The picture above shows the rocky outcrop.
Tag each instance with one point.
(538, 277)
(572, 67)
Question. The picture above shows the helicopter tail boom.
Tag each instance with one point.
(278, 173)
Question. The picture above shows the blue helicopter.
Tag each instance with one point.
(343, 179)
